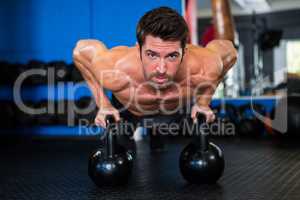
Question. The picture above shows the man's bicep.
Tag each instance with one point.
(231, 56)
(101, 67)
(226, 50)
(109, 76)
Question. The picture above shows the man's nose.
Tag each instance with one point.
(161, 68)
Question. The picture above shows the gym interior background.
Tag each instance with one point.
(44, 155)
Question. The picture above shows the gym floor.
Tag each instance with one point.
(57, 169)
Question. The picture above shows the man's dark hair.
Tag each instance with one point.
(165, 23)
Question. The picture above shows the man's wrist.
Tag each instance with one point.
(203, 102)
(105, 105)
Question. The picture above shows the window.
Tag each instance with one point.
(293, 56)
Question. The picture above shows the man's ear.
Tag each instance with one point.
(184, 50)
(139, 49)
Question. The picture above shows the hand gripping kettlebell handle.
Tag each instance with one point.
(201, 119)
(110, 142)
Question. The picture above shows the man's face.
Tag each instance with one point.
(160, 60)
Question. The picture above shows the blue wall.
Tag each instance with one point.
(49, 29)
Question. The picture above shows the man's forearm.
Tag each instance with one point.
(101, 99)
(83, 55)
(204, 96)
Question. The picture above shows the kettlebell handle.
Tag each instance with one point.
(110, 140)
(109, 119)
(201, 119)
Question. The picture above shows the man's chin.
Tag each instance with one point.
(161, 85)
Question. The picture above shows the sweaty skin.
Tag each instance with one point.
(154, 84)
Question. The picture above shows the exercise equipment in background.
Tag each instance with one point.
(269, 39)
(63, 111)
(226, 118)
(36, 79)
(290, 119)
(25, 117)
(62, 72)
(293, 116)
(85, 110)
(248, 123)
(224, 27)
(11, 72)
(75, 74)
(7, 116)
(39, 72)
(45, 113)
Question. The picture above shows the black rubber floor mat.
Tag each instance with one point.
(53, 170)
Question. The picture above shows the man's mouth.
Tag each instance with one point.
(160, 79)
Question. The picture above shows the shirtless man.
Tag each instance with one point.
(159, 76)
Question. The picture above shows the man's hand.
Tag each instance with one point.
(209, 114)
(102, 113)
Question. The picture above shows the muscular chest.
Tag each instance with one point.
(146, 97)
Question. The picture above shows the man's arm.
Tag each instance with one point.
(227, 53)
(216, 62)
(84, 55)
(221, 58)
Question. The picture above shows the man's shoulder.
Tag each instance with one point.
(202, 58)
(112, 58)
(126, 58)
(199, 52)
(115, 53)
(122, 67)
(202, 63)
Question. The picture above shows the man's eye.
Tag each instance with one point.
(173, 57)
(151, 55)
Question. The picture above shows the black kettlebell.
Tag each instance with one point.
(112, 165)
(201, 162)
